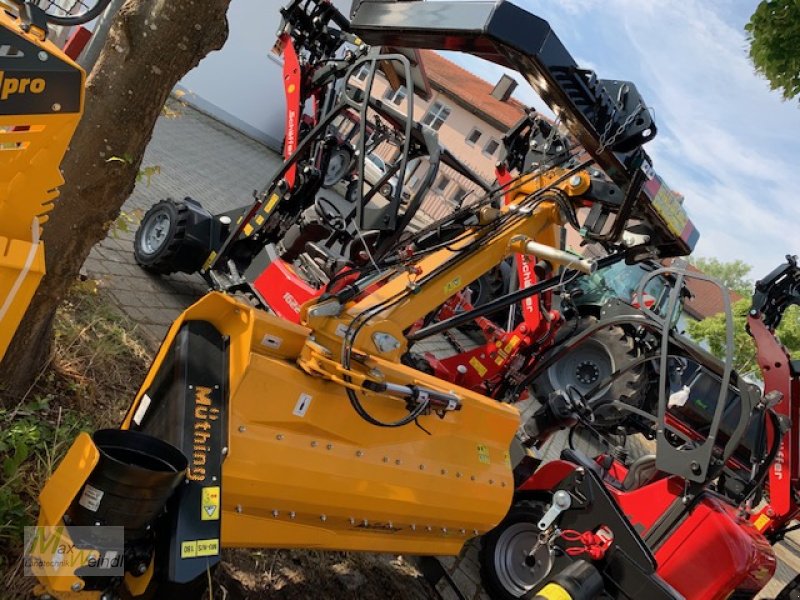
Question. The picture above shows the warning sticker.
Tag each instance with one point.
(483, 454)
(303, 402)
(477, 365)
(198, 548)
(453, 285)
(209, 504)
(761, 522)
(91, 497)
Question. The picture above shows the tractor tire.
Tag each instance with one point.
(609, 350)
(160, 235)
(506, 572)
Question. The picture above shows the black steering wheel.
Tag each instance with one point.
(330, 214)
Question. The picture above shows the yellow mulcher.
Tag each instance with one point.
(41, 102)
(254, 432)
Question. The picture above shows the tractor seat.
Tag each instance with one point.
(640, 472)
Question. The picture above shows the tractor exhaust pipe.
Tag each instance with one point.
(134, 477)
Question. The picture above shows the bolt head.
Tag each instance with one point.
(76, 587)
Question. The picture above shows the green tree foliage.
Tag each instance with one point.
(712, 331)
(733, 274)
(774, 35)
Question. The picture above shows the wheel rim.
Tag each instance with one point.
(583, 368)
(156, 231)
(515, 569)
(337, 166)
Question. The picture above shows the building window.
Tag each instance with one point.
(436, 115)
(491, 147)
(395, 96)
(459, 195)
(442, 184)
(363, 72)
(474, 136)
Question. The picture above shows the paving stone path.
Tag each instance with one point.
(198, 157)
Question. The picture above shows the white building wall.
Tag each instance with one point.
(241, 85)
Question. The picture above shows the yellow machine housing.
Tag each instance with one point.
(299, 468)
(41, 102)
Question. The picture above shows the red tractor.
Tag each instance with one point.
(680, 521)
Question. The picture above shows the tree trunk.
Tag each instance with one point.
(152, 44)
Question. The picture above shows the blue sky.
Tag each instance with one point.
(725, 141)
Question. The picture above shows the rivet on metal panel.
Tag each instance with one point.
(352, 521)
(444, 471)
(313, 444)
(279, 437)
(323, 518)
(275, 513)
(365, 522)
(359, 453)
(329, 446)
(386, 459)
(472, 477)
(397, 462)
(422, 467)
(292, 515)
(428, 528)
(242, 428)
(238, 508)
(458, 474)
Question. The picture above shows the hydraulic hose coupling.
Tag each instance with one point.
(133, 480)
(525, 245)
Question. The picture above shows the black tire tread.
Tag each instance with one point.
(162, 262)
(628, 388)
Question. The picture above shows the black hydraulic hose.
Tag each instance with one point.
(507, 300)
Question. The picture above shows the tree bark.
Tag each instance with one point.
(152, 44)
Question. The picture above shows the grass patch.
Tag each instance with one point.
(97, 365)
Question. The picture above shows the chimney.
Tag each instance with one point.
(504, 88)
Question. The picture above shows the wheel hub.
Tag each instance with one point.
(519, 560)
(587, 372)
(155, 234)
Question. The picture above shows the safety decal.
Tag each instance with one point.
(302, 405)
(453, 285)
(761, 522)
(483, 454)
(478, 366)
(209, 504)
(271, 341)
(199, 548)
(91, 497)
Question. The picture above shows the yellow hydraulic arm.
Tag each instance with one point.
(41, 102)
